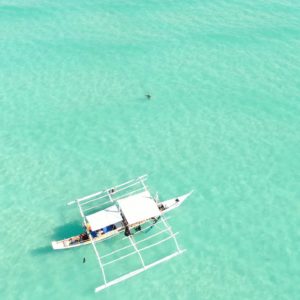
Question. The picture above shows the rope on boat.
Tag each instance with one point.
(154, 222)
(148, 229)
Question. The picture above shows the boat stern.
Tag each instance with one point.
(58, 245)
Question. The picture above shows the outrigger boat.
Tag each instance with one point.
(127, 208)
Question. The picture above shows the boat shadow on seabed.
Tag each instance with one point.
(59, 232)
(41, 250)
(66, 230)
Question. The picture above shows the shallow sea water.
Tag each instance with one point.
(223, 120)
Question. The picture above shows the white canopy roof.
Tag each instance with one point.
(110, 215)
(139, 207)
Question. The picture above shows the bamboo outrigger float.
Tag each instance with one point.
(127, 208)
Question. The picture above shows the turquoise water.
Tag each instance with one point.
(223, 120)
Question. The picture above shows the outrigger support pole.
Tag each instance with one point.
(96, 252)
(117, 188)
(136, 272)
(99, 261)
(171, 233)
(136, 250)
(93, 243)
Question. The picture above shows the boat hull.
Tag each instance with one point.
(76, 241)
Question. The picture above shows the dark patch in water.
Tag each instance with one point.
(41, 250)
(66, 230)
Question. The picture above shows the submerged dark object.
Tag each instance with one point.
(138, 228)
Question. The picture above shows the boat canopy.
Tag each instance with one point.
(138, 207)
(109, 216)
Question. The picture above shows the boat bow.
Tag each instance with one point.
(173, 203)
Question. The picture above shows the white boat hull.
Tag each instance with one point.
(72, 242)
(171, 204)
